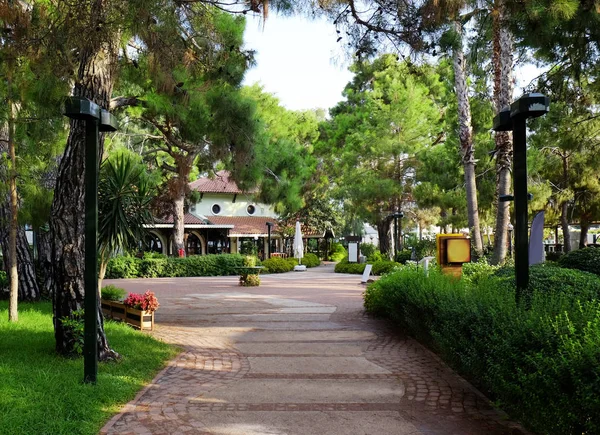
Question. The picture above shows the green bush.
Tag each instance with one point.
(152, 267)
(311, 260)
(383, 266)
(122, 267)
(546, 278)
(587, 259)
(375, 256)
(368, 249)
(553, 256)
(337, 252)
(113, 293)
(293, 262)
(539, 361)
(345, 267)
(278, 265)
(403, 256)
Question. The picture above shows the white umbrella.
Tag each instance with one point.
(298, 245)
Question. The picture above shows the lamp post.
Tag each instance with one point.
(528, 106)
(269, 225)
(96, 120)
(510, 230)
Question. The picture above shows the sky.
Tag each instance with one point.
(299, 61)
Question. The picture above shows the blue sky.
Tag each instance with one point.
(297, 60)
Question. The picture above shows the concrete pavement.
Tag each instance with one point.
(296, 355)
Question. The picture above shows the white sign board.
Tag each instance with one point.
(352, 252)
(367, 272)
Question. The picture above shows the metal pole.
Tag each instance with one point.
(269, 239)
(90, 343)
(520, 193)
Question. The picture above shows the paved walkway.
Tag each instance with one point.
(296, 355)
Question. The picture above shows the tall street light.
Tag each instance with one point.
(96, 120)
(514, 119)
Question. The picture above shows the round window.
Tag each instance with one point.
(251, 209)
(216, 209)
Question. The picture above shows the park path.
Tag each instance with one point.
(296, 355)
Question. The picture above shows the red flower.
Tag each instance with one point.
(145, 302)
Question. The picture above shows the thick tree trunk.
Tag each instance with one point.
(178, 223)
(502, 59)
(13, 226)
(465, 133)
(95, 82)
(44, 263)
(383, 231)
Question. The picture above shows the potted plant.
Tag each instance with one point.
(140, 309)
(112, 302)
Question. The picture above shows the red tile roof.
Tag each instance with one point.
(245, 225)
(222, 183)
(188, 219)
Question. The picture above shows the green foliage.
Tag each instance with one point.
(554, 340)
(250, 280)
(248, 247)
(375, 256)
(587, 259)
(337, 252)
(403, 256)
(368, 249)
(476, 271)
(547, 278)
(278, 265)
(195, 265)
(74, 327)
(44, 394)
(251, 261)
(384, 266)
(311, 260)
(3, 280)
(112, 293)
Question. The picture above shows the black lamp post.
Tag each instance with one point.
(528, 106)
(510, 230)
(269, 225)
(97, 119)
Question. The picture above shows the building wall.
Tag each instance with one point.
(228, 207)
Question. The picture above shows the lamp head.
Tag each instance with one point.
(530, 106)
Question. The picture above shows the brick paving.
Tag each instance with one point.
(296, 355)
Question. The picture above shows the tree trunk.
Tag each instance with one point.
(67, 221)
(28, 289)
(585, 226)
(564, 222)
(180, 188)
(465, 133)
(502, 60)
(44, 263)
(178, 223)
(383, 231)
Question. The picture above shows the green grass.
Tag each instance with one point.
(43, 393)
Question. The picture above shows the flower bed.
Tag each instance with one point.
(136, 310)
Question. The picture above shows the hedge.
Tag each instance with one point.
(539, 361)
(379, 267)
(587, 259)
(195, 265)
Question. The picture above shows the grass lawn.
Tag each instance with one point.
(42, 393)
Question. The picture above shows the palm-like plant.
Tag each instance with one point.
(124, 195)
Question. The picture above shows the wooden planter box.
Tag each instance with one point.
(119, 311)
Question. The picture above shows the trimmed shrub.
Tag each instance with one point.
(195, 265)
(293, 262)
(375, 256)
(311, 260)
(539, 361)
(113, 293)
(403, 256)
(277, 265)
(368, 249)
(345, 267)
(587, 259)
(476, 271)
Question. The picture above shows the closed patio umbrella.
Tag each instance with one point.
(298, 245)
